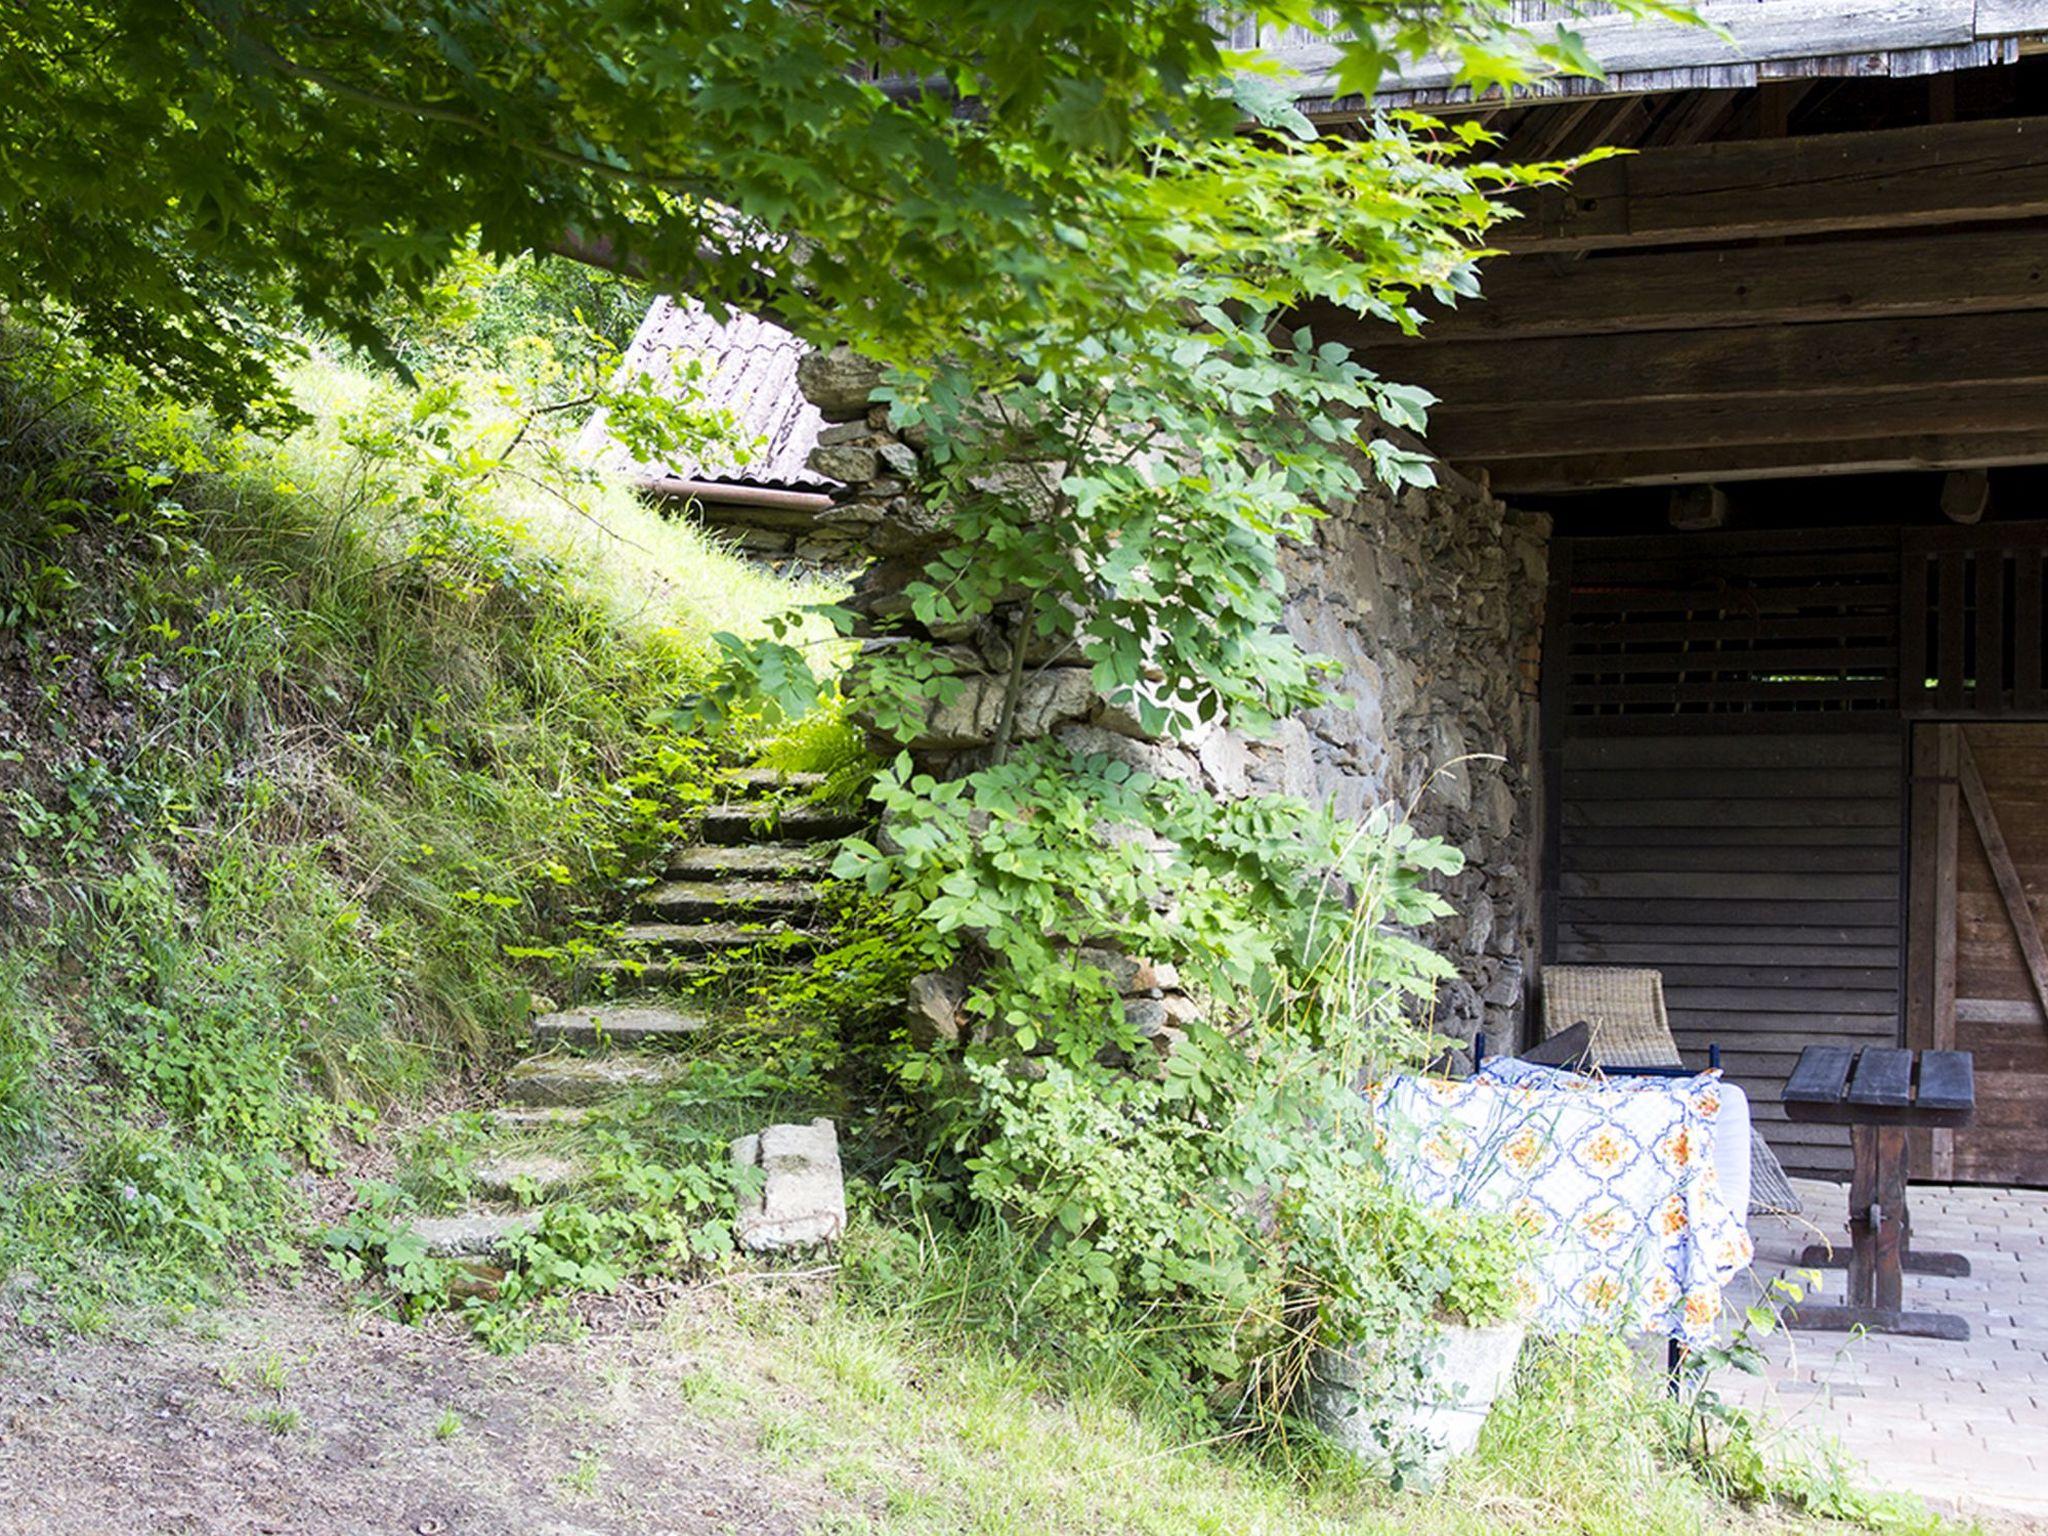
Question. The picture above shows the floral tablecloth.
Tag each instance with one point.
(1614, 1178)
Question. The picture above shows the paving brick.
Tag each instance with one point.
(1961, 1424)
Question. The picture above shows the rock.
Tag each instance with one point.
(1146, 1015)
(1045, 700)
(1479, 919)
(539, 1004)
(582, 1081)
(1162, 760)
(1506, 989)
(847, 464)
(544, 1115)
(1226, 763)
(898, 460)
(802, 1199)
(937, 999)
(838, 382)
(478, 1278)
(1127, 973)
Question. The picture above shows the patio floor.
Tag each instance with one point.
(1963, 1425)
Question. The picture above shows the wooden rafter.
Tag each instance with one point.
(1949, 272)
(1768, 461)
(1546, 428)
(1853, 358)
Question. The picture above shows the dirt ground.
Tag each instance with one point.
(290, 1413)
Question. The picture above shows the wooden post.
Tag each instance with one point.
(1889, 1250)
(1697, 507)
(1965, 493)
(1942, 1020)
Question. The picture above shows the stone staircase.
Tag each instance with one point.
(744, 897)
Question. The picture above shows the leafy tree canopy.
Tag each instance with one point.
(172, 171)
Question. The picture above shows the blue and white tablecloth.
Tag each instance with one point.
(1613, 1178)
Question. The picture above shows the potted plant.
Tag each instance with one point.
(1413, 1315)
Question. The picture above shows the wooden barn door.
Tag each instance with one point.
(1977, 963)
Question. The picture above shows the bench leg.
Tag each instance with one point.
(1877, 1249)
(1914, 1261)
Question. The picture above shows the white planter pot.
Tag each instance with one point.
(1428, 1418)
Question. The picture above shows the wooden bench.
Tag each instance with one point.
(1880, 1094)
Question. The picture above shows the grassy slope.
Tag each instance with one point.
(295, 742)
(928, 1439)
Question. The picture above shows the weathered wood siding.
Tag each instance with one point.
(1761, 874)
(1728, 793)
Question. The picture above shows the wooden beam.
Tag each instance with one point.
(1843, 357)
(1956, 272)
(1937, 173)
(1766, 461)
(1546, 428)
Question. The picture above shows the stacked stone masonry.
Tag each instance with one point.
(1431, 602)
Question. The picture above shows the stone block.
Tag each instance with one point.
(839, 382)
(802, 1199)
(850, 464)
(1046, 700)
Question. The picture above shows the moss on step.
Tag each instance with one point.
(582, 1080)
(616, 1024)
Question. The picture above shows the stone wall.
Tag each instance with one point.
(1430, 600)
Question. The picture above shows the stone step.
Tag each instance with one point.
(620, 1024)
(750, 861)
(766, 781)
(607, 977)
(572, 1080)
(684, 900)
(500, 1178)
(473, 1234)
(759, 823)
(720, 938)
(520, 1117)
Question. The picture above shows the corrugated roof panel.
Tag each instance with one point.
(752, 374)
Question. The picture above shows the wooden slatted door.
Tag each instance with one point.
(1977, 962)
(1761, 874)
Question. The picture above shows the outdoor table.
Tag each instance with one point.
(1880, 1094)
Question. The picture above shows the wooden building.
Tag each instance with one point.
(1781, 378)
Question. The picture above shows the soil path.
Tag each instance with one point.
(289, 1414)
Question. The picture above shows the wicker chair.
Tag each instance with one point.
(1624, 1006)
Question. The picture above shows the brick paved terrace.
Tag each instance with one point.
(1964, 1425)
